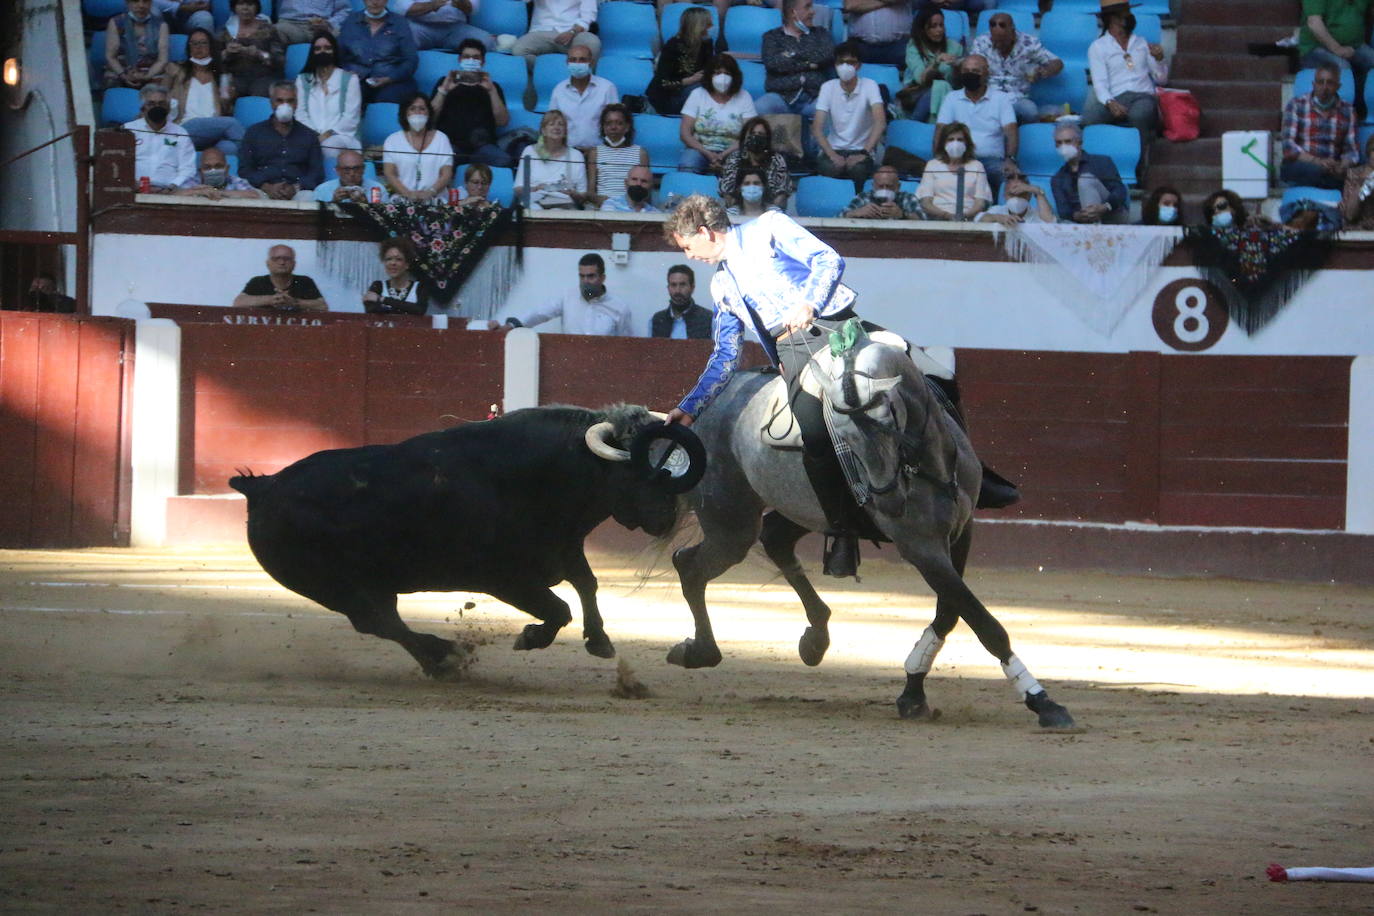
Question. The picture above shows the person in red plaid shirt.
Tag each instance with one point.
(1319, 142)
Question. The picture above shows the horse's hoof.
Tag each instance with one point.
(812, 645)
(1050, 714)
(453, 665)
(687, 654)
(600, 646)
(534, 636)
(916, 710)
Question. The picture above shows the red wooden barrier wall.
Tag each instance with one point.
(64, 394)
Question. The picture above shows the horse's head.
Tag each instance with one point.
(864, 385)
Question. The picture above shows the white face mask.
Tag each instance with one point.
(417, 122)
(1067, 151)
(1168, 213)
(1017, 206)
(845, 72)
(721, 82)
(884, 194)
(955, 149)
(202, 61)
(284, 112)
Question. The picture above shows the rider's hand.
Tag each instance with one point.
(801, 318)
(678, 415)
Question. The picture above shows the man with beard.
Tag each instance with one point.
(587, 310)
(639, 181)
(683, 319)
(1126, 72)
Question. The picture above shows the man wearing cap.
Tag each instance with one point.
(1126, 71)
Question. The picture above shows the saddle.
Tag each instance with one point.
(780, 429)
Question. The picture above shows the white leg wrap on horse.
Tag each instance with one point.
(1021, 679)
(923, 653)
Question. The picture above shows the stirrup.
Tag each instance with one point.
(841, 555)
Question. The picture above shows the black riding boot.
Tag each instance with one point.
(841, 556)
(996, 492)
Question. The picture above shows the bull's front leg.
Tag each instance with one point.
(539, 602)
(594, 637)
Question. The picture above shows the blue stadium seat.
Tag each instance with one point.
(660, 136)
(119, 106)
(630, 75)
(502, 184)
(1037, 156)
(916, 137)
(884, 75)
(680, 184)
(102, 10)
(627, 29)
(1330, 196)
(957, 27)
(519, 118)
(1068, 33)
(1067, 87)
(745, 25)
(252, 109)
(296, 56)
(95, 58)
(379, 122)
(1024, 19)
(1017, 6)
(176, 48)
(434, 65)
(510, 74)
(754, 77)
(1302, 84)
(1122, 144)
(1364, 133)
(671, 18)
(1148, 27)
(821, 196)
(502, 17)
(549, 71)
(233, 163)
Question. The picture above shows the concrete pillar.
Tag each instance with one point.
(521, 383)
(1359, 468)
(156, 428)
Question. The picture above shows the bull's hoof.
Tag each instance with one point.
(812, 645)
(535, 636)
(600, 646)
(1050, 713)
(689, 654)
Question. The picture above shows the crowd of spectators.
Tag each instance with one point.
(828, 115)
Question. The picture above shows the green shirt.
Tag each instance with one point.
(1344, 19)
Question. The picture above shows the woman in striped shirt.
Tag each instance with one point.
(610, 161)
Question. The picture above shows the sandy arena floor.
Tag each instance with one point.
(180, 733)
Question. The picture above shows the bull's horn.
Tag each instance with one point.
(596, 438)
(658, 416)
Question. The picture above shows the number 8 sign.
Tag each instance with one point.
(1189, 315)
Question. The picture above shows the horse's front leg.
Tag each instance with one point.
(722, 547)
(779, 538)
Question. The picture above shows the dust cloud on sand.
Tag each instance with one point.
(181, 733)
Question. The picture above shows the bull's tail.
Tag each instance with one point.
(249, 484)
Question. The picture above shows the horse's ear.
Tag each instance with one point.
(885, 384)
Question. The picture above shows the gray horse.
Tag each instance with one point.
(920, 471)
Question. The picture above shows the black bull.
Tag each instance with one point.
(500, 507)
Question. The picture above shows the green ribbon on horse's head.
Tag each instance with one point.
(844, 340)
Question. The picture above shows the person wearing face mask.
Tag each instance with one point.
(939, 188)
(589, 309)
(1026, 203)
(280, 156)
(1318, 136)
(198, 103)
(582, 97)
(1126, 74)
(750, 199)
(755, 151)
(1336, 32)
(1164, 207)
(135, 46)
(163, 151)
(682, 63)
(214, 181)
(639, 184)
(379, 47)
(331, 98)
(353, 183)
(253, 54)
(610, 162)
(712, 117)
(1087, 188)
(989, 115)
(1225, 210)
(797, 57)
(850, 120)
(683, 319)
(417, 160)
(470, 108)
(886, 199)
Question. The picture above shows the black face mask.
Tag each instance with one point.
(973, 81)
(1128, 23)
(756, 143)
(157, 114)
(321, 59)
(592, 291)
(637, 193)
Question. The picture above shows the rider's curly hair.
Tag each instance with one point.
(694, 212)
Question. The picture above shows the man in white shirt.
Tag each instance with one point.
(442, 23)
(163, 151)
(849, 121)
(587, 310)
(989, 115)
(1126, 71)
(557, 26)
(880, 28)
(352, 184)
(581, 97)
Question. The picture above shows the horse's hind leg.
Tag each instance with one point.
(779, 538)
(954, 596)
(725, 543)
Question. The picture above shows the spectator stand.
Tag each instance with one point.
(676, 185)
(502, 17)
(379, 122)
(627, 29)
(660, 136)
(296, 57)
(119, 106)
(1121, 144)
(823, 197)
(252, 109)
(916, 137)
(744, 28)
(631, 75)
